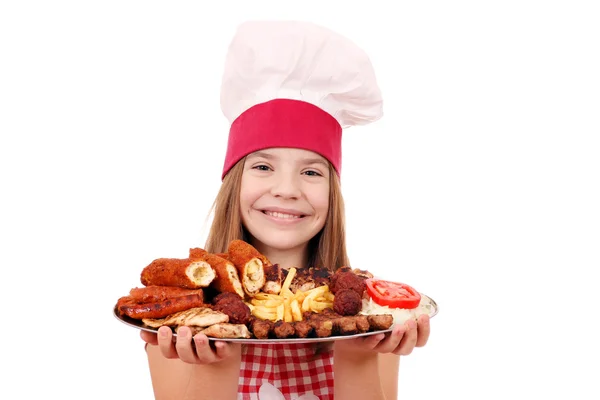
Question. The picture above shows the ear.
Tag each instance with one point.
(269, 392)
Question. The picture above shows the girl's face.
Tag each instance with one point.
(284, 197)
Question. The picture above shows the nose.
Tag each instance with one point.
(286, 186)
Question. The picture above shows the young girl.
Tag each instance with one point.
(289, 88)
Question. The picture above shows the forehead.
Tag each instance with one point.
(289, 154)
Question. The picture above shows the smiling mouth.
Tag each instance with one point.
(280, 215)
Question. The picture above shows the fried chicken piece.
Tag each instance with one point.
(227, 279)
(380, 322)
(249, 264)
(185, 273)
(347, 302)
(197, 253)
(283, 330)
(346, 279)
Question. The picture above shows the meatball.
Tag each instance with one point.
(347, 302)
(347, 280)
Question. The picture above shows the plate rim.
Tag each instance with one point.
(138, 324)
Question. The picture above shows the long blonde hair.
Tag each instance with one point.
(326, 249)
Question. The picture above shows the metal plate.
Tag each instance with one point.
(426, 302)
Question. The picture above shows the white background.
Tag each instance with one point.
(480, 186)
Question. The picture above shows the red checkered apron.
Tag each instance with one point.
(293, 369)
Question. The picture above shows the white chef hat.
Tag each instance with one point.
(295, 84)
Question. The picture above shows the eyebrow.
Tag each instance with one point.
(262, 154)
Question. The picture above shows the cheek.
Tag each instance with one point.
(320, 200)
(248, 196)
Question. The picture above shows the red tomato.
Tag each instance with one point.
(393, 294)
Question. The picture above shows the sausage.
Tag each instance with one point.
(160, 309)
(153, 294)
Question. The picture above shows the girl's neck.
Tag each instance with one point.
(286, 258)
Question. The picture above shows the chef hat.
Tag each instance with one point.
(295, 84)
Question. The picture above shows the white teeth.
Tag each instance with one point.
(281, 215)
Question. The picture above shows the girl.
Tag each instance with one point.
(289, 88)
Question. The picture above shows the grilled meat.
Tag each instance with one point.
(273, 279)
(308, 278)
(283, 330)
(197, 316)
(380, 322)
(261, 328)
(227, 331)
(232, 305)
(362, 273)
(302, 329)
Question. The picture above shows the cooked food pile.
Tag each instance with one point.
(241, 294)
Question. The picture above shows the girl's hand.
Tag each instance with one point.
(196, 350)
(401, 341)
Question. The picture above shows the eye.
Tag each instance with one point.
(312, 173)
(262, 167)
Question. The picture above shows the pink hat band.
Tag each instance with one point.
(284, 123)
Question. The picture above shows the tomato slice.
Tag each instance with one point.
(392, 294)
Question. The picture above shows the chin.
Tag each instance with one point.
(283, 240)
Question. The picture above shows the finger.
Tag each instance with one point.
(149, 337)
(165, 342)
(183, 344)
(223, 350)
(372, 341)
(424, 328)
(409, 340)
(392, 340)
(204, 352)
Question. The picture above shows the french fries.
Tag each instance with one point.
(288, 306)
